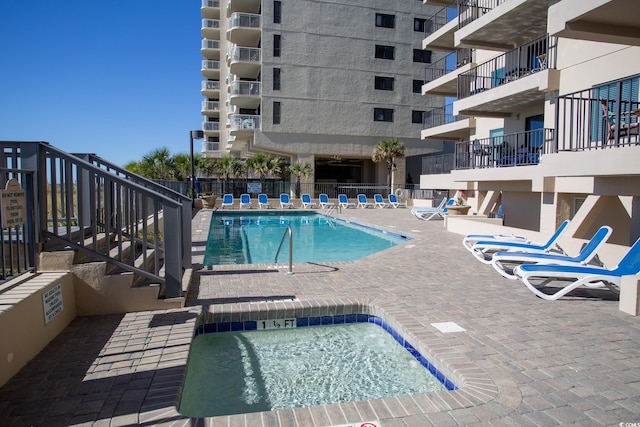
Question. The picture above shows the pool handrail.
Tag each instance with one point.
(290, 232)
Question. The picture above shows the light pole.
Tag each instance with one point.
(194, 134)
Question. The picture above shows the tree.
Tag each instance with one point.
(300, 170)
(159, 164)
(387, 151)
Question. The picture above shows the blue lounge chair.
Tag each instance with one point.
(379, 201)
(504, 262)
(227, 201)
(592, 277)
(363, 202)
(285, 203)
(324, 201)
(483, 250)
(343, 200)
(306, 201)
(433, 212)
(263, 201)
(393, 201)
(245, 201)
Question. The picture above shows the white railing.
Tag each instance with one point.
(210, 105)
(211, 23)
(210, 44)
(210, 146)
(244, 54)
(210, 65)
(211, 3)
(210, 85)
(211, 126)
(245, 20)
(239, 87)
(245, 121)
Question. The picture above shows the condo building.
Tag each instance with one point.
(314, 81)
(542, 110)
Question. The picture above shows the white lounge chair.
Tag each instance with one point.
(227, 201)
(591, 277)
(483, 250)
(363, 202)
(285, 202)
(379, 201)
(263, 201)
(245, 201)
(470, 239)
(343, 200)
(393, 201)
(324, 201)
(306, 201)
(433, 212)
(505, 262)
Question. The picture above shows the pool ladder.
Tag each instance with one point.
(290, 233)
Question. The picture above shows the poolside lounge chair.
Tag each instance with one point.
(324, 201)
(393, 201)
(263, 201)
(285, 202)
(504, 262)
(363, 202)
(306, 201)
(227, 201)
(433, 212)
(592, 277)
(483, 250)
(343, 200)
(470, 239)
(379, 201)
(245, 201)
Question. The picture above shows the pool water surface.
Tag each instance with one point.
(246, 238)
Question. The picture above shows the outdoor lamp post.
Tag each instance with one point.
(194, 134)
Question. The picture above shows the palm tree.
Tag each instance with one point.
(224, 168)
(263, 164)
(159, 164)
(300, 170)
(387, 151)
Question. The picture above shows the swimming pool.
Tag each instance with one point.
(359, 357)
(253, 238)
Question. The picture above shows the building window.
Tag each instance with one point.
(276, 44)
(384, 52)
(386, 21)
(277, 11)
(276, 79)
(212, 144)
(416, 116)
(384, 83)
(417, 86)
(420, 55)
(418, 24)
(383, 114)
(276, 113)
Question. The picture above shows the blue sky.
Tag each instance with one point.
(117, 78)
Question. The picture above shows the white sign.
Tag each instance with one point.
(277, 324)
(52, 303)
(13, 204)
(254, 187)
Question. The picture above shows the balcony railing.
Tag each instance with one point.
(211, 126)
(603, 116)
(210, 44)
(211, 23)
(520, 62)
(240, 87)
(446, 65)
(210, 65)
(440, 116)
(210, 105)
(440, 18)
(470, 10)
(437, 164)
(245, 122)
(517, 149)
(244, 54)
(210, 85)
(244, 20)
(211, 3)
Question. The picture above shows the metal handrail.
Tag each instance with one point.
(290, 232)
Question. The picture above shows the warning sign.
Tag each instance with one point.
(52, 303)
(13, 201)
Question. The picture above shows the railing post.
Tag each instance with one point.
(33, 158)
(172, 264)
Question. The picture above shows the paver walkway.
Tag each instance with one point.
(521, 360)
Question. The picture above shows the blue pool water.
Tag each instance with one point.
(246, 238)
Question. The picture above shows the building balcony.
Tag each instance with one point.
(211, 128)
(244, 94)
(440, 28)
(508, 82)
(210, 88)
(244, 29)
(210, 108)
(210, 49)
(500, 24)
(246, 6)
(211, 29)
(209, 146)
(441, 77)
(244, 124)
(244, 62)
(441, 124)
(211, 69)
(210, 9)
(599, 21)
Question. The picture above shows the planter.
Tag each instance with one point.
(458, 210)
(208, 202)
